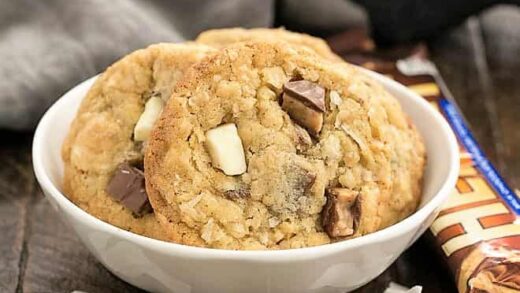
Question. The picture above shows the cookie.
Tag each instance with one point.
(103, 151)
(266, 146)
(220, 38)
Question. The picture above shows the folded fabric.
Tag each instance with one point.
(47, 47)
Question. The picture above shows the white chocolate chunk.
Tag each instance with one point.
(226, 150)
(144, 125)
(274, 76)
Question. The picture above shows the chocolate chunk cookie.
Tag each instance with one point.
(103, 151)
(220, 38)
(267, 146)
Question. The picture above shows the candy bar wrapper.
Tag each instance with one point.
(478, 228)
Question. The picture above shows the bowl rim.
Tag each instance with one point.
(271, 256)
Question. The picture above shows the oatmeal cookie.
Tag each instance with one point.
(267, 146)
(103, 151)
(220, 38)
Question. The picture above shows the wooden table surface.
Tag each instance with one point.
(480, 61)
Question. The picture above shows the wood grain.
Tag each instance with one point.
(419, 265)
(455, 56)
(500, 31)
(16, 184)
(57, 260)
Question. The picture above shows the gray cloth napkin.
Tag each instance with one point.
(47, 47)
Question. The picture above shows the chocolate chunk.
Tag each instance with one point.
(237, 193)
(305, 116)
(309, 93)
(303, 139)
(341, 213)
(128, 187)
(304, 101)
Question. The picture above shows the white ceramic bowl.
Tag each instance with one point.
(165, 267)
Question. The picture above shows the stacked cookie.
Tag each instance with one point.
(245, 139)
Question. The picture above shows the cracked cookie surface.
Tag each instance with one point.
(353, 168)
(103, 136)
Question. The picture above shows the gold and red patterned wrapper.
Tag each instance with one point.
(478, 228)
